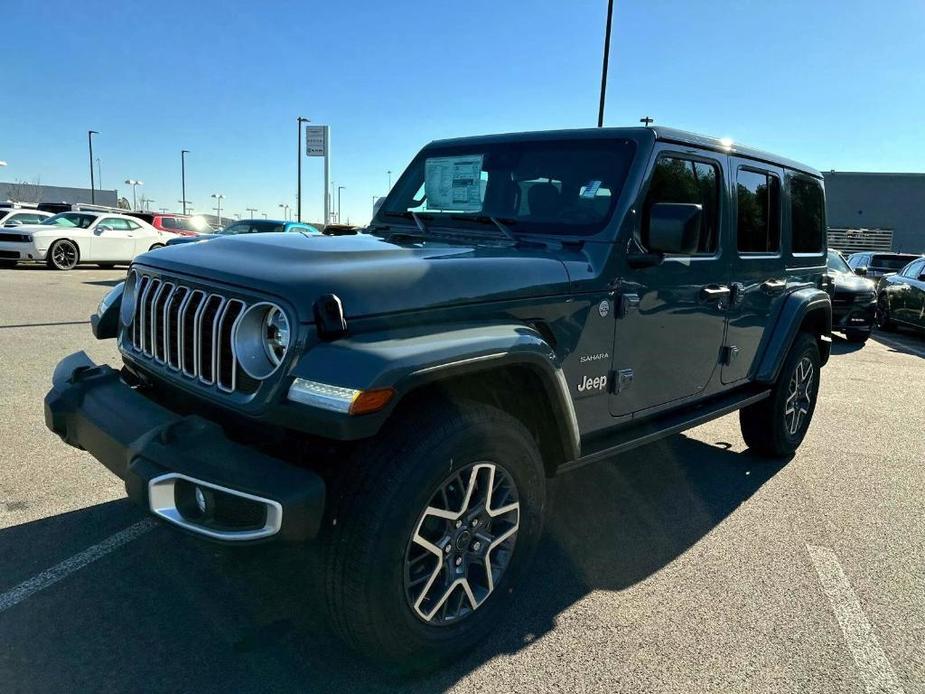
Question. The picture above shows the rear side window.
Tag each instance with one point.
(807, 215)
(758, 212)
(168, 222)
(914, 270)
(686, 180)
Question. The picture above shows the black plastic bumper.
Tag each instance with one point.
(91, 408)
(854, 317)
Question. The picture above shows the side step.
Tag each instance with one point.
(647, 431)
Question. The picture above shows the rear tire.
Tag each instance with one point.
(776, 426)
(63, 255)
(384, 581)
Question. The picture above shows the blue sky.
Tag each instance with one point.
(835, 84)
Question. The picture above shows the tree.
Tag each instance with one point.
(124, 204)
(25, 191)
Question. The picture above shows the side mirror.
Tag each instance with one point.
(861, 270)
(674, 227)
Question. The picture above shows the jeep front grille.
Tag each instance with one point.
(187, 330)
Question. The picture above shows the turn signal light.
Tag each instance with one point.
(369, 401)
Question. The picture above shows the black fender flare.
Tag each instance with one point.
(408, 359)
(797, 306)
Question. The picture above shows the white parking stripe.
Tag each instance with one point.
(78, 561)
(896, 344)
(872, 663)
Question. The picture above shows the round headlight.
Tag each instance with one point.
(127, 310)
(261, 339)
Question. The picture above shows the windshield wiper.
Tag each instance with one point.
(500, 223)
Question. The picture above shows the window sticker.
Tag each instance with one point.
(453, 183)
(590, 190)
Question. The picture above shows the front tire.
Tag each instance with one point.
(882, 317)
(776, 426)
(7, 263)
(63, 255)
(433, 528)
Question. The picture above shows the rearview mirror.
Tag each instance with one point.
(860, 270)
(674, 227)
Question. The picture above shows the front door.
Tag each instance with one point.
(758, 277)
(671, 317)
(113, 239)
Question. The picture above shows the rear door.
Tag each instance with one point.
(668, 341)
(758, 278)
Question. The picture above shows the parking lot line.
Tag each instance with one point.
(872, 663)
(75, 563)
(896, 344)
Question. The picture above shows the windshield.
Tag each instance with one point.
(550, 187)
(837, 263)
(71, 219)
(891, 262)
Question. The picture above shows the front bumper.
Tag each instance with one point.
(853, 316)
(164, 458)
(21, 250)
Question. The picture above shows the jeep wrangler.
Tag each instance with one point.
(519, 306)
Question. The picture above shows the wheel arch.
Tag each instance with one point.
(806, 310)
(82, 245)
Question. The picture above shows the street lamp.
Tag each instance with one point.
(148, 202)
(390, 180)
(264, 214)
(163, 209)
(183, 153)
(285, 211)
(339, 189)
(252, 210)
(298, 152)
(90, 134)
(219, 197)
(99, 174)
(134, 184)
(2, 163)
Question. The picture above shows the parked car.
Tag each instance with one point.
(854, 300)
(249, 226)
(17, 216)
(521, 306)
(876, 265)
(901, 297)
(175, 224)
(66, 239)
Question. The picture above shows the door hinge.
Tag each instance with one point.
(728, 355)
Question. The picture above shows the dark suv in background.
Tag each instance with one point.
(876, 265)
(901, 297)
(854, 299)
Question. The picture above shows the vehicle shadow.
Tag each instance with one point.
(905, 342)
(169, 613)
(106, 283)
(841, 346)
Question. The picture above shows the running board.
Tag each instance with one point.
(659, 427)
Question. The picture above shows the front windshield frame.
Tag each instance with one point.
(835, 262)
(623, 154)
(85, 220)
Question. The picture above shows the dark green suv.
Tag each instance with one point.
(520, 306)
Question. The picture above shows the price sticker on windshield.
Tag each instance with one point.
(454, 183)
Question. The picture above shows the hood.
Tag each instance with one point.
(25, 229)
(371, 276)
(848, 282)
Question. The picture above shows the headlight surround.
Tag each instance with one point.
(110, 297)
(261, 339)
(127, 310)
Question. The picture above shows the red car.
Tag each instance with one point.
(172, 223)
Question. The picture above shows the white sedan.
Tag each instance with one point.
(69, 238)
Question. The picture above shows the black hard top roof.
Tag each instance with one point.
(660, 133)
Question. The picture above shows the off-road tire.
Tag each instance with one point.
(375, 512)
(63, 254)
(857, 336)
(764, 424)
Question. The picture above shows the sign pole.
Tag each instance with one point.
(327, 174)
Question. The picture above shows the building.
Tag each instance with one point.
(876, 211)
(23, 191)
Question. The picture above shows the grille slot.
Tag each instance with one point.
(187, 330)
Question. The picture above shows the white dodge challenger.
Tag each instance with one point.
(69, 238)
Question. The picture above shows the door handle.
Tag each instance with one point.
(773, 286)
(715, 292)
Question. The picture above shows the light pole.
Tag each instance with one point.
(298, 152)
(390, 180)
(252, 210)
(183, 153)
(148, 202)
(285, 211)
(339, 189)
(163, 209)
(600, 113)
(264, 214)
(2, 163)
(218, 197)
(134, 184)
(99, 173)
(90, 134)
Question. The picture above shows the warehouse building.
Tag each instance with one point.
(875, 211)
(34, 192)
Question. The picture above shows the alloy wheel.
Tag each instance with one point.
(64, 255)
(799, 396)
(462, 544)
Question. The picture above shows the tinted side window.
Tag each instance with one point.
(758, 216)
(807, 215)
(115, 223)
(914, 269)
(685, 180)
(168, 222)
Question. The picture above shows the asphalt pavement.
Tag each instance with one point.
(685, 566)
